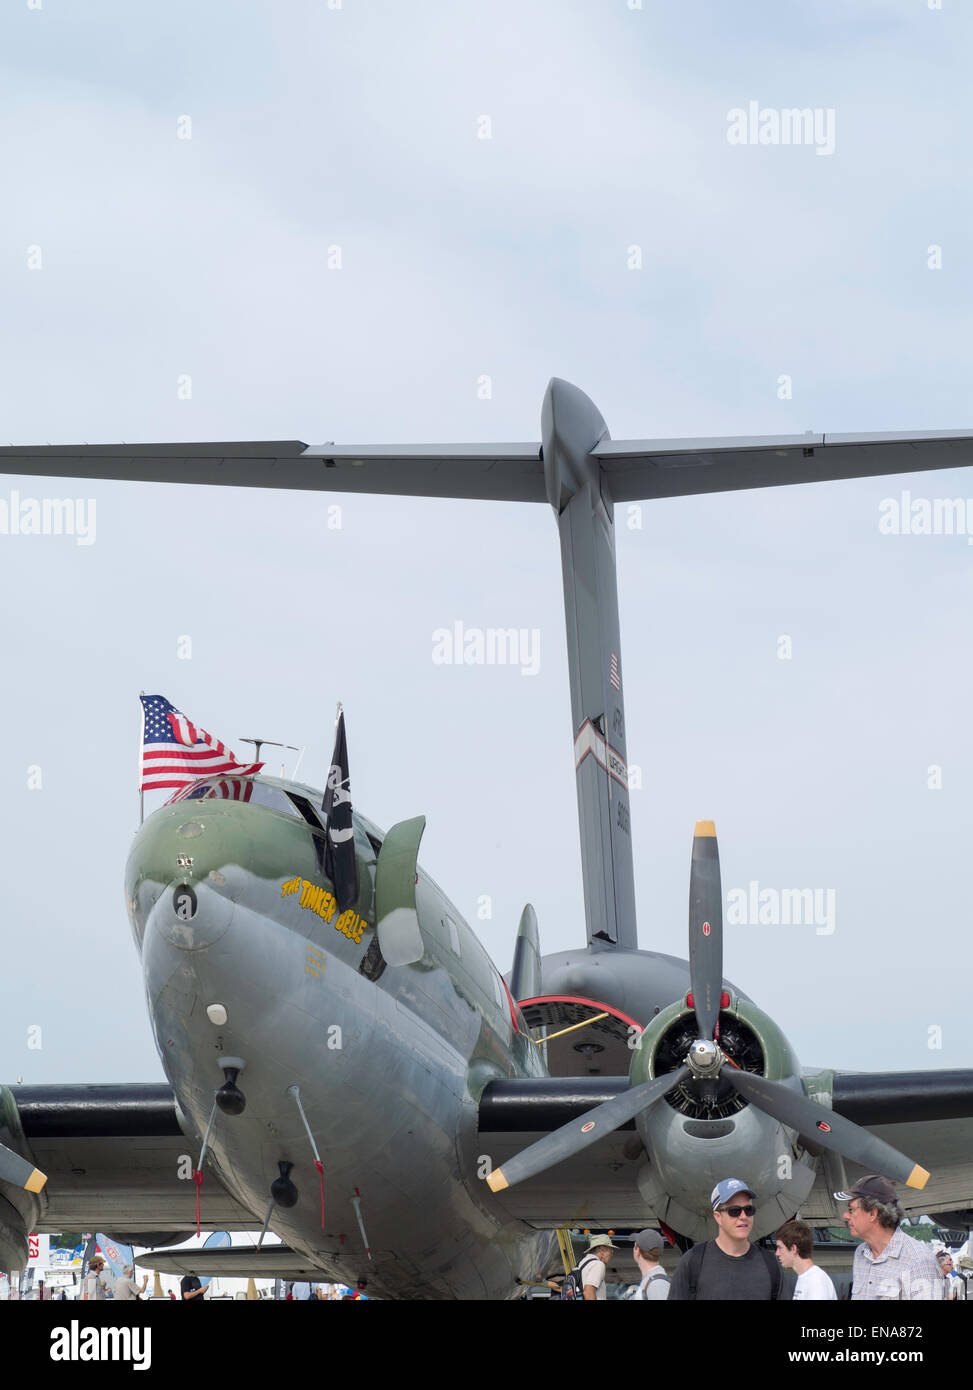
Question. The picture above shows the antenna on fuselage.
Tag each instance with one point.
(271, 743)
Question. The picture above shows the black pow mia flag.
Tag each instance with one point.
(340, 863)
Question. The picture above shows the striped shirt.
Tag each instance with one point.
(906, 1269)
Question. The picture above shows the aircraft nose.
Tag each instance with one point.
(191, 917)
(185, 872)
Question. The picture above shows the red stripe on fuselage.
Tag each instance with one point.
(576, 999)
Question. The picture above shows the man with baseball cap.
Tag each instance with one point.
(648, 1252)
(592, 1265)
(888, 1263)
(728, 1267)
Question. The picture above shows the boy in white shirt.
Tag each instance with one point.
(795, 1246)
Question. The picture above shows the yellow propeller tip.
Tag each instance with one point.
(917, 1178)
(496, 1182)
(704, 827)
(36, 1181)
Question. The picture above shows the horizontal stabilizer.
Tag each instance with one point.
(233, 1262)
(688, 467)
(631, 470)
(484, 472)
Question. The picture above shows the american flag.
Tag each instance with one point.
(176, 752)
(613, 675)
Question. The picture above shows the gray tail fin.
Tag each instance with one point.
(577, 489)
(525, 976)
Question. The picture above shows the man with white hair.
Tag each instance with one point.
(125, 1286)
(954, 1285)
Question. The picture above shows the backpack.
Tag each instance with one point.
(694, 1263)
(572, 1285)
(656, 1274)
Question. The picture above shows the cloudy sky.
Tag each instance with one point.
(375, 222)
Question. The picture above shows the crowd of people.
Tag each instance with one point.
(97, 1285)
(888, 1263)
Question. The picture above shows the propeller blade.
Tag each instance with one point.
(579, 1133)
(706, 928)
(824, 1127)
(20, 1171)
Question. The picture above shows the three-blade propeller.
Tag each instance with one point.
(577, 1134)
(706, 1062)
(706, 929)
(824, 1127)
(20, 1171)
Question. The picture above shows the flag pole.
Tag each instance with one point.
(141, 755)
(337, 721)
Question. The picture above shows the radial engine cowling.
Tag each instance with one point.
(703, 1130)
(13, 1238)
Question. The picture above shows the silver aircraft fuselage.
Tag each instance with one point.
(389, 1068)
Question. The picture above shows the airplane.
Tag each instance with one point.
(366, 1083)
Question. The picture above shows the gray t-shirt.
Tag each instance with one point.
(724, 1277)
(654, 1286)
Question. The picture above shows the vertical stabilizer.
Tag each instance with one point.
(571, 427)
(525, 976)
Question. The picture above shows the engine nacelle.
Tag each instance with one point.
(13, 1238)
(701, 1132)
(149, 1240)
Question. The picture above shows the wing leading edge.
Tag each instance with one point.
(113, 1155)
(928, 1115)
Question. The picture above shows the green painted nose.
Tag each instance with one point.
(184, 874)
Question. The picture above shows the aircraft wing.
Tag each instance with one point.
(631, 470)
(112, 1157)
(594, 1188)
(927, 1115)
(944, 1147)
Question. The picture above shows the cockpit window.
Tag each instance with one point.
(315, 819)
(240, 789)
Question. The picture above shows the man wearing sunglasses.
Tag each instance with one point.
(888, 1263)
(729, 1267)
